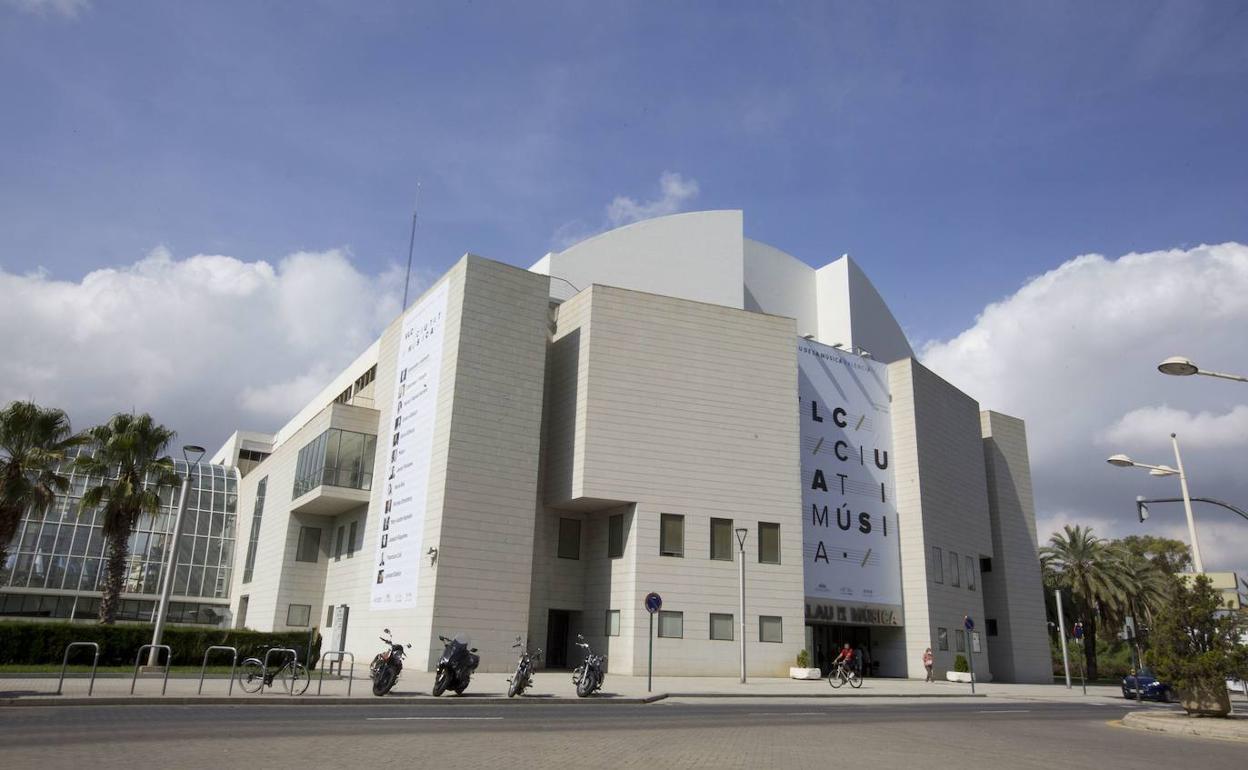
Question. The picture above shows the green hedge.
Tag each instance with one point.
(44, 642)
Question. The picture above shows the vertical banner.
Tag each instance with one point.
(408, 445)
(852, 558)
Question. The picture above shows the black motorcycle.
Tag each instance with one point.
(524, 669)
(385, 668)
(589, 676)
(455, 667)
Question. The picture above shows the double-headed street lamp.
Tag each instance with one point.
(1122, 461)
(741, 533)
(1183, 367)
(171, 551)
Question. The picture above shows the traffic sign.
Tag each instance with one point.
(653, 602)
(968, 623)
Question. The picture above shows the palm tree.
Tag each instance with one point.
(131, 448)
(34, 441)
(1148, 585)
(1086, 566)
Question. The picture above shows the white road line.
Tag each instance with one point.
(388, 719)
(1005, 711)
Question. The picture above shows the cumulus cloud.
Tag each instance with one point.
(65, 9)
(207, 344)
(675, 192)
(1074, 352)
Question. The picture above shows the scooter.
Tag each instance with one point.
(589, 676)
(385, 668)
(524, 669)
(455, 667)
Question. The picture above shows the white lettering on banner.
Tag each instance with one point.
(408, 445)
(849, 532)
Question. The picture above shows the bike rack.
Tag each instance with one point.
(139, 658)
(339, 655)
(65, 664)
(203, 668)
(265, 665)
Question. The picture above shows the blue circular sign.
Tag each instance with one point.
(968, 623)
(653, 602)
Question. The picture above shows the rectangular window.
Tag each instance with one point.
(942, 639)
(298, 614)
(721, 539)
(671, 624)
(985, 564)
(768, 543)
(970, 573)
(254, 541)
(959, 638)
(342, 535)
(351, 541)
(569, 538)
(309, 545)
(671, 534)
(991, 626)
(613, 623)
(721, 627)
(955, 570)
(329, 616)
(615, 536)
(770, 628)
(938, 566)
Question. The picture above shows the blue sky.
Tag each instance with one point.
(954, 148)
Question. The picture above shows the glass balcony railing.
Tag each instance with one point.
(336, 458)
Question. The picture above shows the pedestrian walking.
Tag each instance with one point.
(927, 664)
(858, 660)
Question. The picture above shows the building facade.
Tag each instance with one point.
(531, 452)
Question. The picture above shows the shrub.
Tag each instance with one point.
(960, 664)
(803, 659)
(1195, 644)
(45, 642)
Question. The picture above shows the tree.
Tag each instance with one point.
(34, 441)
(130, 463)
(1084, 564)
(1196, 643)
(1171, 556)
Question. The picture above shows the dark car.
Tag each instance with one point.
(1151, 688)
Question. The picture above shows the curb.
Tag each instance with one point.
(825, 696)
(1227, 729)
(209, 700)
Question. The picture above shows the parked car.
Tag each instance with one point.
(1151, 688)
(1235, 685)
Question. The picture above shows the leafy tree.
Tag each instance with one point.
(1084, 564)
(129, 460)
(1196, 643)
(1147, 587)
(1171, 556)
(34, 441)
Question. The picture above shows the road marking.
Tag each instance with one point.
(385, 719)
(1005, 711)
(804, 713)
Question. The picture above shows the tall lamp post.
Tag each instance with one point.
(741, 533)
(1183, 367)
(171, 550)
(1122, 461)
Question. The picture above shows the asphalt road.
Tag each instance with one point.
(757, 733)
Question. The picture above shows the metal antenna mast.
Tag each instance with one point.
(411, 243)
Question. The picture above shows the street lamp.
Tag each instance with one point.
(171, 551)
(1123, 461)
(1183, 367)
(741, 533)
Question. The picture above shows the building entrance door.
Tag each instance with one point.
(557, 639)
(827, 640)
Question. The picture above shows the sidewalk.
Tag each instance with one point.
(547, 686)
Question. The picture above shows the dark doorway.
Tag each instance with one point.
(557, 639)
(829, 638)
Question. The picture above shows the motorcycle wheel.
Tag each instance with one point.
(460, 690)
(375, 666)
(517, 684)
(440, 681)
(384, 681)
(587, 685)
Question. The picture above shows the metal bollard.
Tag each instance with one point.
(204, 667)
(339, 654)
(65, 663)
(138, 661)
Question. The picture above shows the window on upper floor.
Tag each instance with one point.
(615, 536)
(569, 538)
(768, 543)
(309, 548)
(937, 565)
(970, 573)
(721, 539)
(955, 571)
(671, 534)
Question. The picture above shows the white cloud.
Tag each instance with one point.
(66, 9)
(1074, 352)
(207, 344)
(674, 192)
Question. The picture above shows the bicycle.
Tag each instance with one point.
(841, 674)
(253, 677)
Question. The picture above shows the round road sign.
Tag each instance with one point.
(653, 602)
(968, 623)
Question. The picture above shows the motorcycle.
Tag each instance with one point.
(589, 676)
(385, 668)
(455, 667)
(524, 669)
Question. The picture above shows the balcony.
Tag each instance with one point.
(334, 472)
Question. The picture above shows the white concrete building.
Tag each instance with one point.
(531, 452)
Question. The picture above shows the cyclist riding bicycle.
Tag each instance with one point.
(845, 658)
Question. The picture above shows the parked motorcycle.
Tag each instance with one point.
(385, 668)
(455, 667)
(524, 669)
(589, 676)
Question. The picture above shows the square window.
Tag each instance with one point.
(613, 623)
(768, 543)
(671, 624)
(970, 573)
(770, 628)
(569, 538)
(721, 627)
(309, 545)
(942, 639)
(721, 539)
(298, 614)
(937, 565)
(671, 534)
(615, 536)
(990, 625)
(955, 570)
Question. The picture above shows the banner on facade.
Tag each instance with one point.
(407, 441)
(849, 531)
